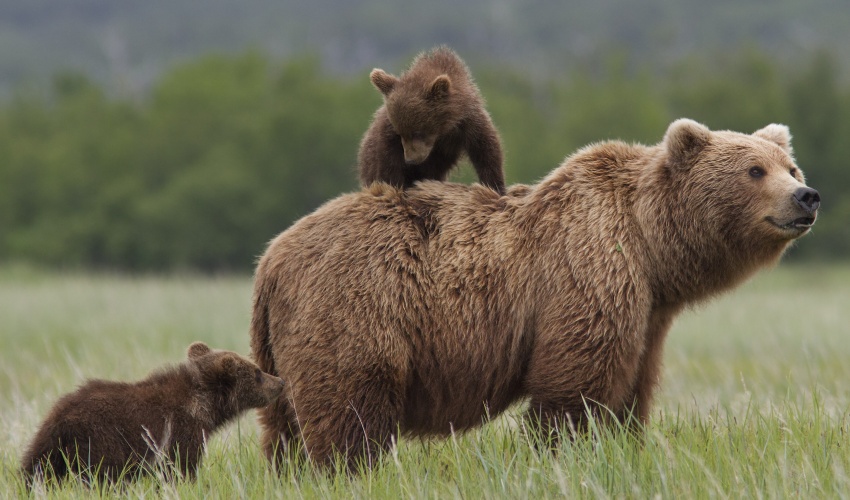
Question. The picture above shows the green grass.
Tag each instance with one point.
(754, 401)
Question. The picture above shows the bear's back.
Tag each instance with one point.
(384, 223)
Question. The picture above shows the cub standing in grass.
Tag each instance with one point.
(423, 311)
(114, 429)
(432, 114)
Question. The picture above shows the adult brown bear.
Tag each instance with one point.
(422, 311)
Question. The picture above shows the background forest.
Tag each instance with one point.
(142, 150)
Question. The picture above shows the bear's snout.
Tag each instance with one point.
(807, 198)
(415, 155)
(274, 386)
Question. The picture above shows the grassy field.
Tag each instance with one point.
(754, 400)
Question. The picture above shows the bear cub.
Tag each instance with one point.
(432, 114)
(109, 430)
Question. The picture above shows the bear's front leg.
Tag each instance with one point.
(485, 153)
(639, 405)
(548, 420)
(582, 367)
(381, 157)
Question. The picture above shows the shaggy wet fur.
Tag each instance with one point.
(425, 310)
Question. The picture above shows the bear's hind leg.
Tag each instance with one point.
(280, 436)
(360, 423)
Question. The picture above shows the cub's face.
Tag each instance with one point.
(252, 388)
(418, 123)
(245, 385)
(419, 112)
(417, 147)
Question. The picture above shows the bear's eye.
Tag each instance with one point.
(793, 172)
(258, 375)
(756, 172)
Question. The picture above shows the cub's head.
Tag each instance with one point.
(420, 110)
(237, 383)
(741, 191)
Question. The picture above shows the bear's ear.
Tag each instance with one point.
(226, 365)
(684, 140)
(778, 134)
(440, 88)
(225, 369)
(383, 81)
(197, 349)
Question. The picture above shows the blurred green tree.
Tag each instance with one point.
(227, 151)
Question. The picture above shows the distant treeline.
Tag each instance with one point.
(226, 152)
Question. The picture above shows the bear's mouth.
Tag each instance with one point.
(800, 224)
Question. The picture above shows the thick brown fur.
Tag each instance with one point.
(425, 310)
(108, 429)
(432, 114)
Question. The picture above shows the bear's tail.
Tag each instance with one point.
(261, 349)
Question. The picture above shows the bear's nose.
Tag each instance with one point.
(413, 158)
(807, 198)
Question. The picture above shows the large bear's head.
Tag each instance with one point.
(731, 202)
(236, 383)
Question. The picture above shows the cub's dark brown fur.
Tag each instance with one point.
(107, 428)
(431, 115)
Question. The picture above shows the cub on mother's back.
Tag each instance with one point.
(431, 115)
(111, 429)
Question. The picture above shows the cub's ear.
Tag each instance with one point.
(778, 134)
(226, 366)
(684, 140)
(440, 88)
(197, 349)
(383, 81)
(225, 369)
